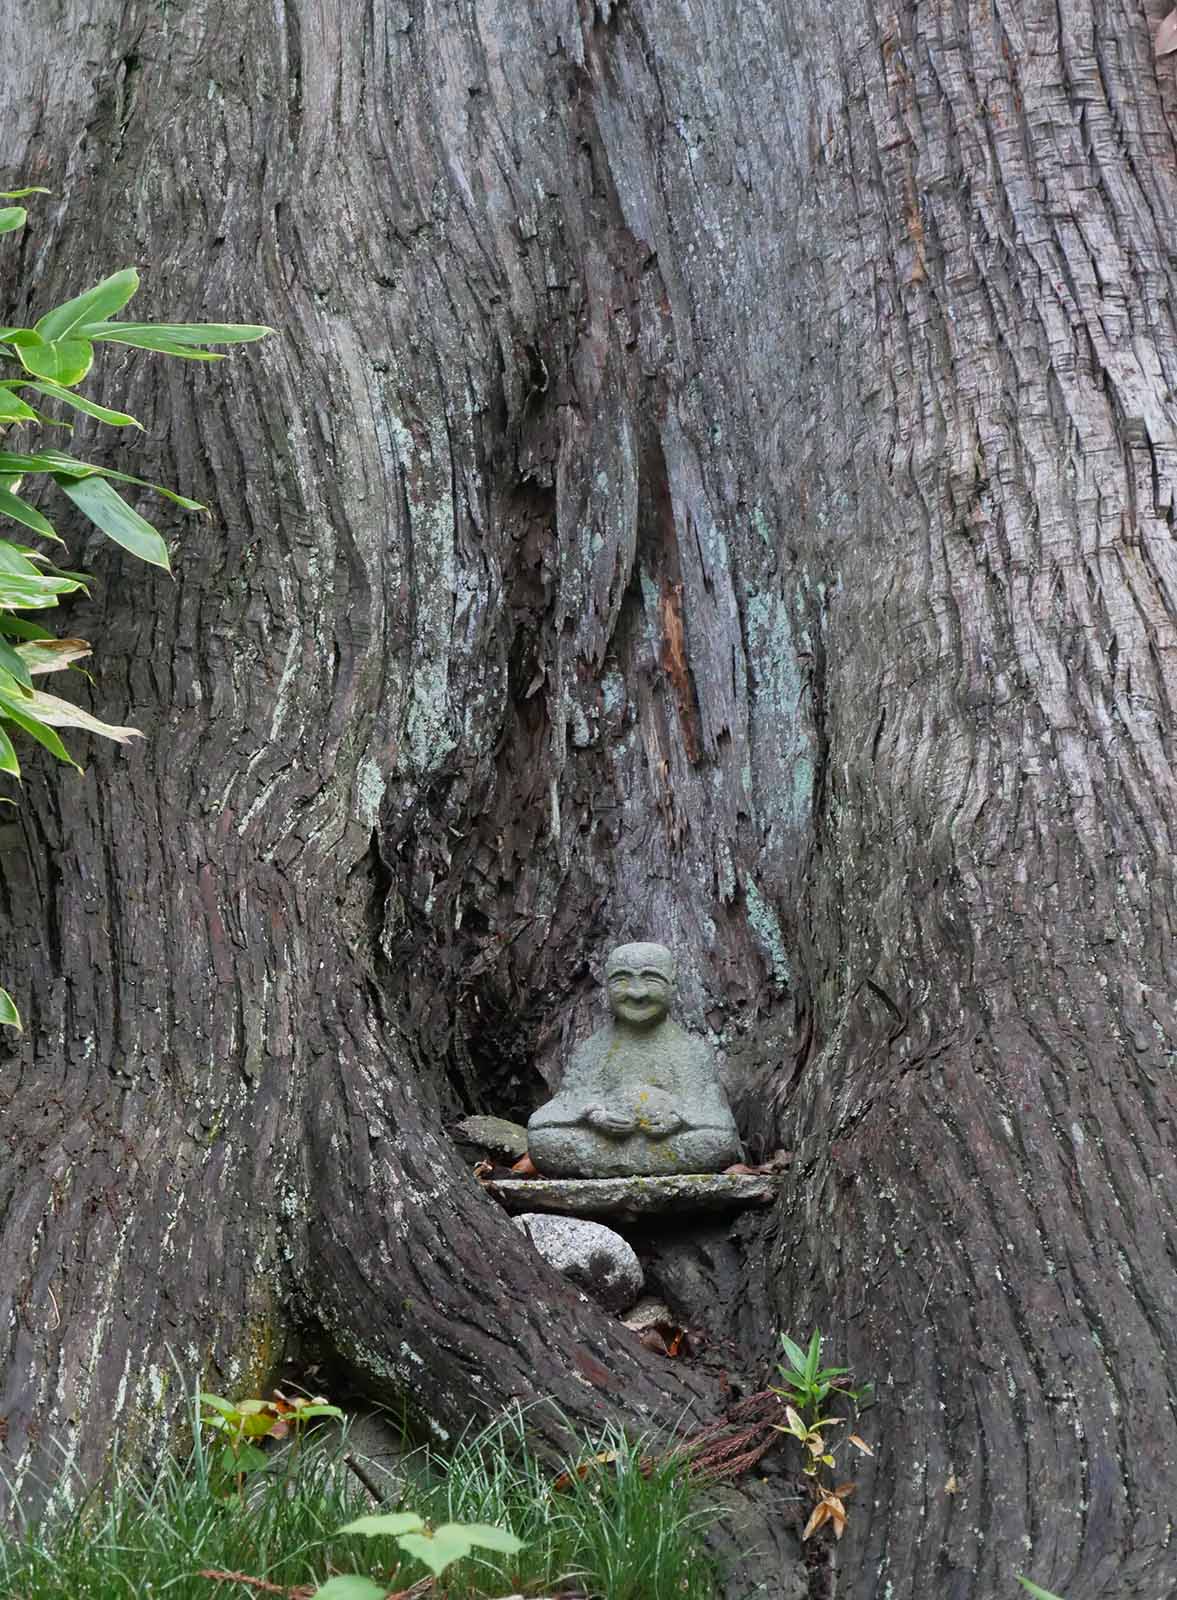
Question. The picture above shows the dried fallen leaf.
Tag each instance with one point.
(1166, 37)
(483, 1169)
(525, 1167)
(860, 1444)
(654, 1341)
(582, 1470)
(952, 1486)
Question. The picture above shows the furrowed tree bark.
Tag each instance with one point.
(712, 480)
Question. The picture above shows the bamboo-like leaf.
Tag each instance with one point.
(33, 594)
(119, 521)
(11, 505)
(35, 728)
(9, 764)
(95, 305)
(50, 655)
(9, 1015)
(13, 408)
(56, 391)
(19, 194)
(1032, 1588)
(13, 663)
(57, 713)
(18, 628)
(180, 335)
(59, 463)
(64, 361)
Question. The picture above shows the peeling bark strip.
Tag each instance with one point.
(714, 482)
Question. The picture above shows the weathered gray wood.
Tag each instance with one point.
(713, 482)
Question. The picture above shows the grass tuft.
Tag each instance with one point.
(614, 1531)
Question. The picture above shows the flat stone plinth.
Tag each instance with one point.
(636, 1197)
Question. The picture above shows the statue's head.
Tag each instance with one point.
(639, 981)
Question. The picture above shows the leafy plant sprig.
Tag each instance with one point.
(48, 361)
(437, 1548)
(808, 1388)
(241, 1422)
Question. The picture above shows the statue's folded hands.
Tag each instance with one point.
(642, 1095)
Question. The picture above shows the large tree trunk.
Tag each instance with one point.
(713, 480)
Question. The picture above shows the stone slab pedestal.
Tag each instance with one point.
(670, 1196)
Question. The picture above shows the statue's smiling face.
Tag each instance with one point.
(639, 995)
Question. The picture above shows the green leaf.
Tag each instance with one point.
(14, 558)
(57, 462)
(110, 512)
(348, 1587)
(1032, 1588)
(18, 628)
(794, 1352)
(20, 336)
(180, 336)
(11, 505)
(12, 217)
(10, 1017)
(65, 361)
(225, 1407)
(117, 419)
(33, 594)
(485, 1536)
(12, 661)
(96, 305)
(813, 1356)
(245, 1459)
(16, 461)
(19, 194)
(8, 763)
(13, 408)
(36, 729)
(156, 488)
(305, 1413)
(393, 1524)
(439, 1549)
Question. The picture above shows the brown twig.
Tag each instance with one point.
(302, 1591)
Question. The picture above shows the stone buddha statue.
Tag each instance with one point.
(640, 1097)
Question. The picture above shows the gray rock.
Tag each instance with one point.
(636, 1197)
(593, 1257)
(494, 1134)
(642, 1096)
(648, 1313)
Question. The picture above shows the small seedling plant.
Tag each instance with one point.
(810, 1391)
(242, 1422)
(437, 1548)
